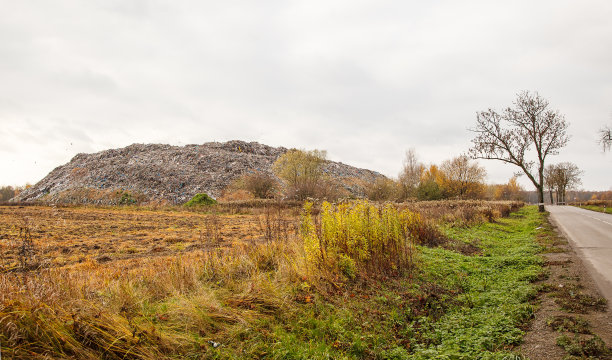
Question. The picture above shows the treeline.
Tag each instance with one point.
(299, 175)
(9, 192)
(455, 178)
(574, 196)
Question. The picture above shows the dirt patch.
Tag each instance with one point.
(556, 331)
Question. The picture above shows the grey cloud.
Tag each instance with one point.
(364, 80)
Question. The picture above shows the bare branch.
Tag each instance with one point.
(509, 136)
(605, 138)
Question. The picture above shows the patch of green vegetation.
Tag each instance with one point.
(493, 307)
(571, 298)
(591, 347)
(126, 198)
(567, 323)
(548, 237)
(607, 210)
(201, 199)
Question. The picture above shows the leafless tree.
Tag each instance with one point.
(549, 180)
(605, 138)
(410, 176)
(510, 136)
(560, 177)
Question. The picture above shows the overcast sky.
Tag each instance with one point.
(364, 80)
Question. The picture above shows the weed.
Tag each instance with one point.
(26, 250)
(274, 225)
(126, 199)
(581, 347)
(565, 323)
(262, 299)
(212, 225)
(360, 237)
(571, 298)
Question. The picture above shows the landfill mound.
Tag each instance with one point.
(149, 173)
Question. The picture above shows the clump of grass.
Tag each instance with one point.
(581, 347)
(201, 199)
(566, 323)
(160, 307)
(126, 198)
(571, 298)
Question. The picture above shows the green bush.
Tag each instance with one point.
(126, 199)
(201, 199)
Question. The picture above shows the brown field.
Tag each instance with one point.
(64, 236)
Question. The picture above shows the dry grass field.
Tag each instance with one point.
(64, 236)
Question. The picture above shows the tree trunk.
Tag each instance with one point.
(540, 199)
(540, 187)
(563, 196)
(551, 196)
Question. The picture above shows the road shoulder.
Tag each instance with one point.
(571, 315)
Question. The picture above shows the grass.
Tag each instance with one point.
(601, 209)
(568, 323)
(571, 298)
(201, 199)
(493, 306)
(584, 347)
(262, 299)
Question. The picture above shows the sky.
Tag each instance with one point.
(364, 80)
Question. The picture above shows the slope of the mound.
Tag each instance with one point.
(156, 172)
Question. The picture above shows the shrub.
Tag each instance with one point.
(6, 193)
(126, 198)
(201, 199)
(429, 190)
(383, 189)
(261, 185)
(357, 236)
(302, 171)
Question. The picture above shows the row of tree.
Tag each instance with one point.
(559, 178)
(9, 192)
(458, 178)
(303, 176)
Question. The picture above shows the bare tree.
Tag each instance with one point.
(605, 138)
(550, 180)
(410, 176)
(509, 136)
(560, 177)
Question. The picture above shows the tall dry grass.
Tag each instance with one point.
(151, 309)
(464, 212)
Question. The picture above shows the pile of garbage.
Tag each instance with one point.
(146, 173)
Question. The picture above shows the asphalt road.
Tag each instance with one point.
(590, 233)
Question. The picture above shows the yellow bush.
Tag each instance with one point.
(358, 237)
